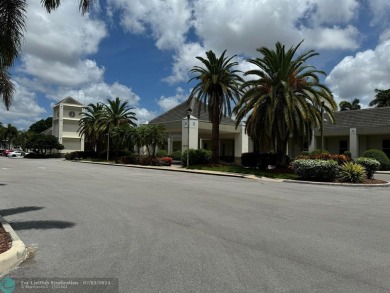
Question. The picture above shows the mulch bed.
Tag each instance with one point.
(368, 181)
(5, 240)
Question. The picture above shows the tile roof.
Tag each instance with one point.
(370, 117)
(70, 100)
(180, 111)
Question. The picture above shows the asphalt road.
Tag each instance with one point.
(159, 231)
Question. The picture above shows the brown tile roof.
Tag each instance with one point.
(180, 111)
(370, 117)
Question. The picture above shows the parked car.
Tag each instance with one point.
(15, 154)
(6, 152)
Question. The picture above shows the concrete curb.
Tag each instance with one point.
(215, 173)
(337, 184)
(13, 256)
(253, 177)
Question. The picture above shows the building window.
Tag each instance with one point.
(343, 146)
(386, 147)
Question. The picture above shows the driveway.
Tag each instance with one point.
(162, 231)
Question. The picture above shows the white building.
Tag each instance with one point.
(66, 117)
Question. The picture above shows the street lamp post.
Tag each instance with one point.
(108, 146)
(322, 127)
(189, 112)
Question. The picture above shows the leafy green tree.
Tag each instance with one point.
(382, 99)
(41, 125)
(21, 139)
(41, 143)
(218, 87)
(9, 133)
(155, 136)
(284, 99)
(12, 27)
(347, 106)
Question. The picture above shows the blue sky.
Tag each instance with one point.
(142, 50)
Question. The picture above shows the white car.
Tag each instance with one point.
(16, 154)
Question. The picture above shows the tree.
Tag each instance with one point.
(41, 143)
(382, 99)
(285, 99)
(218, 87)
(9, 133)
(89, 126)
(115, 114)
(12, 26)
(155, 136)
(347, 106)
(41, 125)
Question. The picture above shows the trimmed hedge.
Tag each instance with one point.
(41, 156)
(378, 155)
(316, 169)
(197, 157)
(371, 165)
(318, 152)
(176, 155)
(340, 159)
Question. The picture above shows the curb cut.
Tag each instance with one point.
(13, 256)
(337, 184)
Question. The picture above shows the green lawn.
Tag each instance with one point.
(280, 174)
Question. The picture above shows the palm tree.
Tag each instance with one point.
(12, 26)
(155, 136)
(285, 99)
(382, 98)
(115, 114)
(9, 134)
(89, 124)
(217, 88)
(347, 106)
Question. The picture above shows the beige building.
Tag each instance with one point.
(66, 117)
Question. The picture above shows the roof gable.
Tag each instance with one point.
(180, 111)
(69, 100)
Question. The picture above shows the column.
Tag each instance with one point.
(353, 143)
(193, 133)
(241, 144)
(313, 143)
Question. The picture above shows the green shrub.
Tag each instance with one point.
(132, 159)
(379, 156)
(176, 155)
(162, 153)
(316, 169)
(371, 165)
(197, 157)
(318, 152)
(340, 159)
(305, 153)
(348, 154)
(352, 172)
(71, 156)
(250, 160)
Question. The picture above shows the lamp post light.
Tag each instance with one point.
(108, 146)
(189, 112)
(322, 127)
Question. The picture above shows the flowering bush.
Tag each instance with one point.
(340, 159)
(316, 169)
(371, 165)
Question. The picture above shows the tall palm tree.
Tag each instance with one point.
(12, 26)
(9, 134)
(382, 98)
(218, 87)
(114, 114)
(347, 106)
(89, 124)
(284, 99)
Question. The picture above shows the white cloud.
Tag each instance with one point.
(168, 21)
(167, 103)
(24, 110)
(143, 115)
(358, 76)
(380, 10)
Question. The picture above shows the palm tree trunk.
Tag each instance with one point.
(215, 135)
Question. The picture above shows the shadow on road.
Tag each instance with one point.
(41, 225)
(7, 212)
